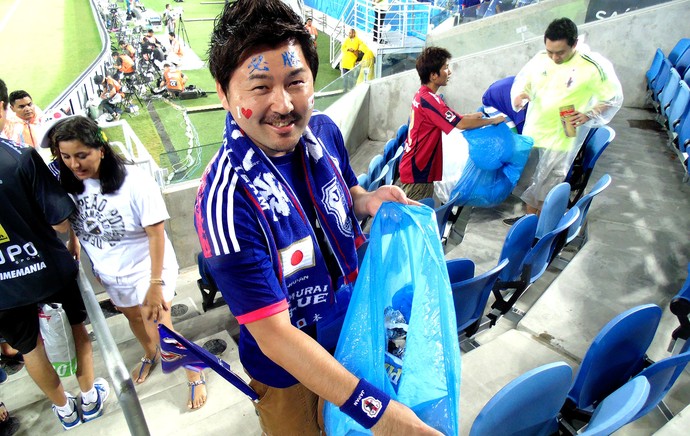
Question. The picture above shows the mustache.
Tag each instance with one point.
(292, 117)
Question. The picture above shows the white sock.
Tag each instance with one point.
(89, 397)
(66, 409)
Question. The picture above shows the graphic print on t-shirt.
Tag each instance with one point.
(334, 204)
(97, 225)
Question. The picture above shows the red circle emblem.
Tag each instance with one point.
(296, 258)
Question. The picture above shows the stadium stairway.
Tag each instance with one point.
(163, 397)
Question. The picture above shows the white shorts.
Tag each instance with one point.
(130, 291)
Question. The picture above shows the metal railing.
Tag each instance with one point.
(122, 382)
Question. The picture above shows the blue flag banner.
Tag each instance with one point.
(176, 351)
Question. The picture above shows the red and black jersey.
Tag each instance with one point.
(422, 160)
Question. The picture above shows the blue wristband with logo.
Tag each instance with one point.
(366, 404)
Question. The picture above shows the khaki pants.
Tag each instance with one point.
(288, 411)
(417, 191)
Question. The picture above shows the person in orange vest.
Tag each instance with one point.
(124, 64)
(176, 52)
(128, 49)
(175, 79)
(111, 96)
(24, 120)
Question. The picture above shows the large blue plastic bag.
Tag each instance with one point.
(403, 268)
(497, 157)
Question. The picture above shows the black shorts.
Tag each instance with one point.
(19, 325)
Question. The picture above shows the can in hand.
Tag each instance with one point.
(566, 112)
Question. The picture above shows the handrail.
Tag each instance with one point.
(122, 382)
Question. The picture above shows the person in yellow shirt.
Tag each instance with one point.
(569, 91)
(366, 71)
(24, 121)
(351, 50)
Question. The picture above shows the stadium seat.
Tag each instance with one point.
(380, 179)
(554, 208)
(579, 227)
(616, 354)
(680, 307)
(593, 147)
(363, 180)
(527, 405)
(539, 257)
(661, 80)
(375, 165)
(678, 50)
(655, 67)
(511, 283)
(668, 93)
(683, 139)
(470, 294)
(619, 408)
(401, 135)
(683, 63)
(389, 150)
(677, 108)
(443, 215)
(662, 375)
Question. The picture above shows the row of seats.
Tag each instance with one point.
(615, 384)
(668, 88)
(383, 168)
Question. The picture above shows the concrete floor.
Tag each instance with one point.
(637, 253)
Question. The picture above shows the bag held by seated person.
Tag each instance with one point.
(57, 338)
(400, 332)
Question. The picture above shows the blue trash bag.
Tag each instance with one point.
(497, 157)
(403, 270)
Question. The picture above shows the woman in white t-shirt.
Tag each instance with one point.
(120, 223)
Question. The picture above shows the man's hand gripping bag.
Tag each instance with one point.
(400, 331)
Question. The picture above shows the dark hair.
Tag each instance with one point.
(3, 93)
(171, 33)
(122, 42)
(431, 61)
(562, 28)
(245, 25)
(112, 171)
(18, 95)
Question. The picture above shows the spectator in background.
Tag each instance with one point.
(366, 71)
(350, 57)
(380, 10)
(496, 101)
(169, 18)
(124, 64)
(422, 160)
(567, 90)
(174, 79)
(34, 207)
(24, 121)
(312, 30)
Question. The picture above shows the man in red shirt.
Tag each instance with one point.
(422, 160)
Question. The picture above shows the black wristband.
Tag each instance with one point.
(366, 404)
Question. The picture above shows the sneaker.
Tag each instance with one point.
(510, 221)
(95, 409)
(72, 420)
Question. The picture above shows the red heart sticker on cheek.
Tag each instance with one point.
(247, 113)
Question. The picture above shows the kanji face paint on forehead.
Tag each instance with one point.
(257, 63)
(291, 59)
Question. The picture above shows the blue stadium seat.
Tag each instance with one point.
(683, 139)
(470, 294)
(655, 67)
(579, 226)
(528, 405)
(619, 408)
(683, 63)
(678, 50)
(363, 180)
(389, 150)
(680, 307)
(539, 257)
(677, 108)
(401, 135)
(443, 215)
(662, 375)
(668, 93)
(380, 179)
(555, 205)
(616, 354)
(511, 283)
(592, 149)
(375, 165)
(661, 80)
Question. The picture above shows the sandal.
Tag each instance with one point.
(9, 425)
(147, 365)
(192, 392)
